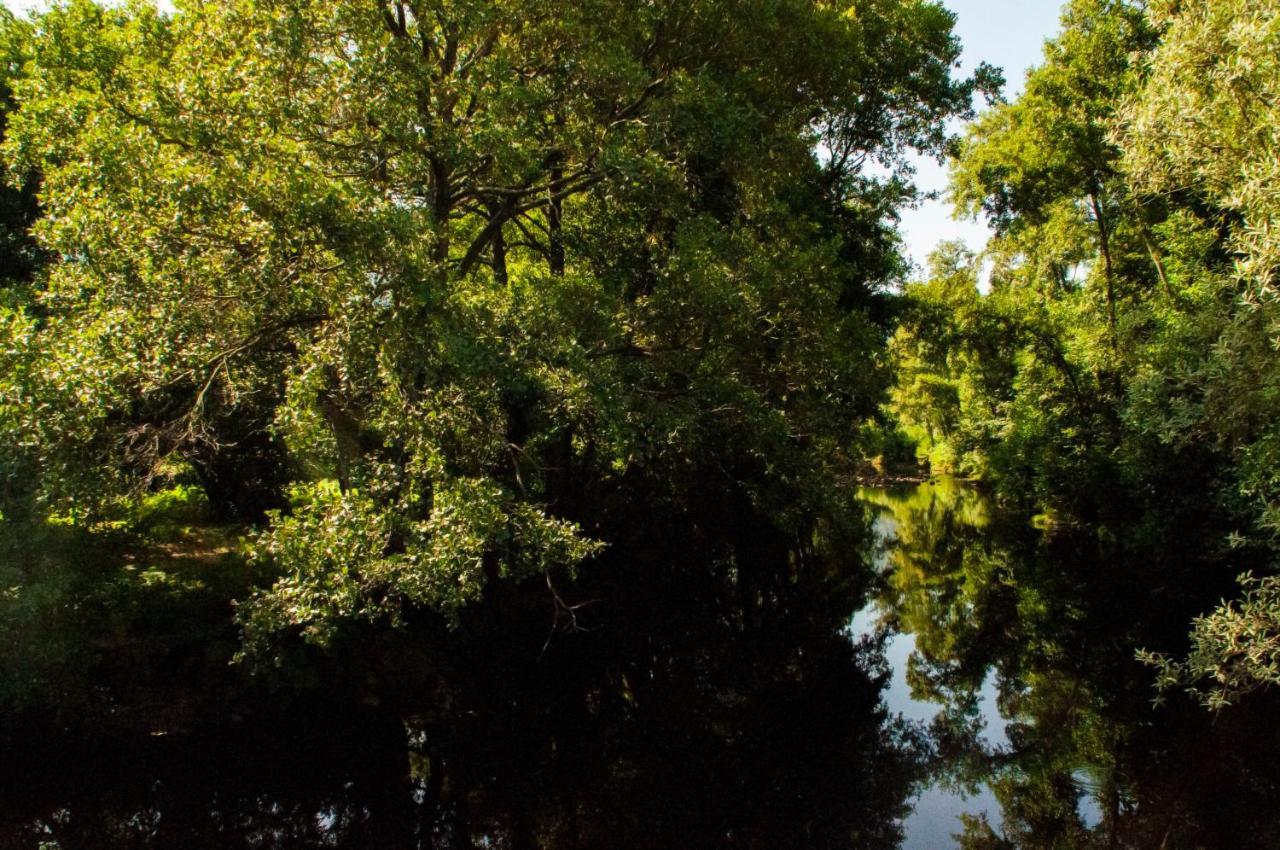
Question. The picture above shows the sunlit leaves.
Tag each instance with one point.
(466, 261)
(1235, 650)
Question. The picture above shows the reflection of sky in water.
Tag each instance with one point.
(935, 818)
(936, 814)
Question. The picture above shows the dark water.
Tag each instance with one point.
(937, 809)
(697, 696)
(1018, 635)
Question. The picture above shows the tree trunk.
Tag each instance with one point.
(1104, 243)
(555, 207)
(499, 248)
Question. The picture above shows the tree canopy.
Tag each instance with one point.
(421, 285)
(1123, 366)
(355, 341)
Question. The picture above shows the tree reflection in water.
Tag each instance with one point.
(694, 693)
(1057, 615)
(703, 694)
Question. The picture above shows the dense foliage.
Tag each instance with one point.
(365, 359)
(341, 315)
(1122, 367)
(482, 369)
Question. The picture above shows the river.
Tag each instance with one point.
(961, 669)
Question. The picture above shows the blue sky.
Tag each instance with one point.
(1006, 33)
(1009, 34)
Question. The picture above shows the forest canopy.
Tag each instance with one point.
(538, 394)
(421, 295)
(394, 303)
(1123, 366)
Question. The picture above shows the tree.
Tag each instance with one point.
(19, 255)
(953, 364)
(430, 286)
(1134, 274)
(1045, 164)
(1046, 352)
(1204, 124)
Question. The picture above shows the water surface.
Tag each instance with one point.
(963, 669)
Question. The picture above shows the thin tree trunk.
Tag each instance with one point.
(441, 207)
(499, 248)
(555, 225)
(555, 207)
(1104, 243)
(1144, 228)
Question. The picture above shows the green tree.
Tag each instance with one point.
(1132, 275)
(19, 254)
(1205, 124)
(952, 355)
(430, 285)
(1043, 169)
(20, 258)
(1046, 351)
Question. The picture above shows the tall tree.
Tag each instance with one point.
(1040, 165)
(436, 278)
(1204, 125)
